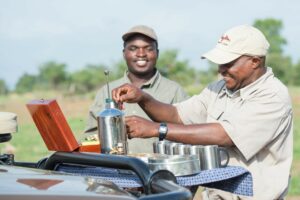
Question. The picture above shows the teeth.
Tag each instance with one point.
(141, 62)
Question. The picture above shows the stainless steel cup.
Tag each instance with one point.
(169, 148)
(210, 157)
(194, 150)
(178, 149)
(159, 146)
(187, 148)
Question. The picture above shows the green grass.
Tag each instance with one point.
(295, 185)
(295, 181)
(297, 139)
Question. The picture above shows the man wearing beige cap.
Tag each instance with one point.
(249, 112)
(140, 53)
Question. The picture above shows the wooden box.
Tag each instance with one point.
(54, 128)
(52, 125)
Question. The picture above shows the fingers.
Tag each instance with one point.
(128, 134)
(129, 118)
(132, 126)
(138, 127)
(126, 93)
(119, 93)
(129, 121)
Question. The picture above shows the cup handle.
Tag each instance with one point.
(227, 155)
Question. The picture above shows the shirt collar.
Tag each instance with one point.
(245, 92)
(229, 93)
(147, 84)
(249, 89)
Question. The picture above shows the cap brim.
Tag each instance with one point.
(219, 56)
(127, 35)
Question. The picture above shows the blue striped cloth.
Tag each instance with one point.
(232, 179)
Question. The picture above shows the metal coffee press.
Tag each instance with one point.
(111, 126)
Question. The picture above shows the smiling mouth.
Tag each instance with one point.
(226, 78)
(141, 62)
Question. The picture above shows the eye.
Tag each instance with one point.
(132, 48)
(227, 66)
(150, 48)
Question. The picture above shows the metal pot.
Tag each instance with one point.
(179, 165)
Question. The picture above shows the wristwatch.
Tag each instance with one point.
(162, 131)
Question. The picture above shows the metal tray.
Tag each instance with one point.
(179, 165)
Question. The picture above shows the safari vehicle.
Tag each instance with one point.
(46, 178)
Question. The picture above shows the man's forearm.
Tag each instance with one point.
(204, 134)
(158, 111)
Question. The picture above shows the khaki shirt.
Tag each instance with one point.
(258, 119)
(159, 87)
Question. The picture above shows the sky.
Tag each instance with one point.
(81, 32)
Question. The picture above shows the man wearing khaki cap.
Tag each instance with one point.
(140, 53)
(249, 112)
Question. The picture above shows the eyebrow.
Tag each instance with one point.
(145, 46)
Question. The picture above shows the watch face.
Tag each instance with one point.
(163, 129)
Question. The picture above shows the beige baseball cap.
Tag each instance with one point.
(140, 29)
(8, 122)
(238, 41)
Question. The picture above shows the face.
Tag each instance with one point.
(140, 54)
(240, 72)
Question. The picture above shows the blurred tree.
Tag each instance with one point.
(26, 83)
(271, 29)
(179, 71)
(52, 74)
(3, 87)
(209, 75)
(119, 69)
(282, 65)
(295, 76)
(87, 79)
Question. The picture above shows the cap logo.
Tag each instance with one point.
(224, 39)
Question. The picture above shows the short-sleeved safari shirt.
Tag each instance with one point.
(258, 119)
(159, 87)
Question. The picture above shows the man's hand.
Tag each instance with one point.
(127, 93)
(138, 127)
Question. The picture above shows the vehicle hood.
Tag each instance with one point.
(27, 183)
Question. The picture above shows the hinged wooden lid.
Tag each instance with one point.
(52, 125)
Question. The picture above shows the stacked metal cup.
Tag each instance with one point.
(210, 156)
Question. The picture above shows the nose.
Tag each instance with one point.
(141, 52)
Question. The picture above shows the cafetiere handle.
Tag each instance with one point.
(227, 155)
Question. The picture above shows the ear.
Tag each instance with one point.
(124, 53)
(256, 62)
(157, 52)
